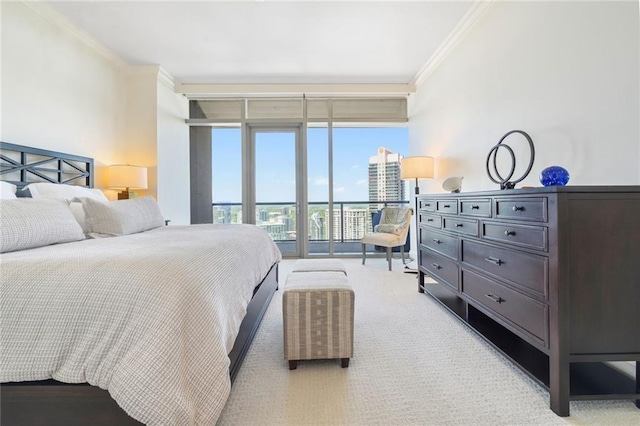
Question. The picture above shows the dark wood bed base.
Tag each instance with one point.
(249, 326)
(49, 402)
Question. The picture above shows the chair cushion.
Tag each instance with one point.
(382, 239)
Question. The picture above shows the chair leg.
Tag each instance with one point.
(404, 261)
(389, 256)
(364, 253)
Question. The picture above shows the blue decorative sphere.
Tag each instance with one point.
(554, 176)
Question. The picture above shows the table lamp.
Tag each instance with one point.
(127, 177)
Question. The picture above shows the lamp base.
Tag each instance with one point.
(408, 270)
(126, 194)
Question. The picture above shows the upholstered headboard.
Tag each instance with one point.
(22, 165)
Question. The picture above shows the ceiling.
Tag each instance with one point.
(259, 42)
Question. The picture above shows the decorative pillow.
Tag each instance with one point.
(7, 191)
(121, 217)
(393, 220)
(395, 215)
(59, 190)
(30, 223)
(388, 228)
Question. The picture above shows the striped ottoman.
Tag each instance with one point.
(317, 311)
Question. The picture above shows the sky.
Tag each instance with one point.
(275, 163)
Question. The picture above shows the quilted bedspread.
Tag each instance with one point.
(150, 317)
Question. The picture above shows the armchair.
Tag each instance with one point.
(391, 232)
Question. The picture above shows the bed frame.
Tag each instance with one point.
(49, 401)
(22, 165)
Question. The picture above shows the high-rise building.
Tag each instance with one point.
(316, 227)
(356, 223)
(385, 183)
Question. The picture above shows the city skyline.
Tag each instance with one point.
(275, 163)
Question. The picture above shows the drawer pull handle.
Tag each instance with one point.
(435, 265)
(475, 207)
(494, 260)
(459, 225)
(447, 206)
(518, 208)
(495, 298)
(437, 241)
(428, 204)
(509, 233)
(429, 220)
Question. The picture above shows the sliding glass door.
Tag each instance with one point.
(314, 192)
(275, 190)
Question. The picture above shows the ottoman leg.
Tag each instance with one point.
(344, 362)
(293, 364)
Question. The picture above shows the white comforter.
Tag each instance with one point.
(151, 316)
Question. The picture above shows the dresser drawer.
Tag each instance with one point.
(428, 205)
(442, 243)
(447, 206)
(440, 268)
(526, 271)
(431, 220)
(479, 207)
(534, 209)
(520, 235)
(461, 226)
(518, 310)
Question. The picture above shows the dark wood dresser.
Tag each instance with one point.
(549, 276)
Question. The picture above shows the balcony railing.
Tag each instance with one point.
(351, 219)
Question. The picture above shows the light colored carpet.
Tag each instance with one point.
(413, 363)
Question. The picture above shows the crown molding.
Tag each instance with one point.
(167, 79)
(225, 90)
(473, 15)
(48, 13)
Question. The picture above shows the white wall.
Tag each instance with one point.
(141, 135)
(1, 71)
(565, 72)
(61, 90)
(173, 154)
(58, 93)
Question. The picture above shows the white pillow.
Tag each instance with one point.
(121, 217)
(59, 190)
(7, 191)
(78, 213)
(30, 223)
(67, 192)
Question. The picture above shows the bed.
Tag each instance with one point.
(153, 324)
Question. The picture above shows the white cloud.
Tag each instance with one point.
(362, 181)
(321, 181)
(338, 190)
(355, 166)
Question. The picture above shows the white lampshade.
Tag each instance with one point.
(419, 167)
(126, 176)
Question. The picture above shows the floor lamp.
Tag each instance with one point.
(418, 167)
